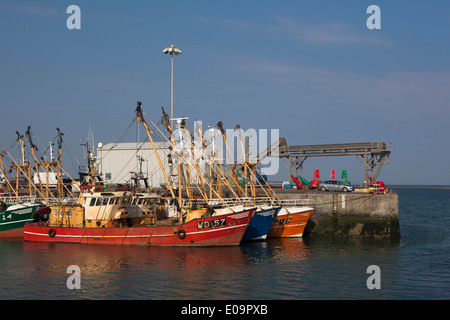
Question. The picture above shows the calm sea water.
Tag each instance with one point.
(415, 267)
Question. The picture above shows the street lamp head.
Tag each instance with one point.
(172, 50)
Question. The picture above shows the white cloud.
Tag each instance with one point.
(330, 33)
(39, 11)
(321, 34)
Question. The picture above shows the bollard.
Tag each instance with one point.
(375, 188)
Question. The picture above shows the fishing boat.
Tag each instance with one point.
(110, 218)
(19, 200)
(111, 225)
(291, 218)
(273, 217)
(261, 222)
(290, 222)
(13, 218)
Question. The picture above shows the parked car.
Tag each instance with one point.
(333, 185)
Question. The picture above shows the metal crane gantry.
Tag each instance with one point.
(371, 155)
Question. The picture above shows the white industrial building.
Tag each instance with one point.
(118, 163)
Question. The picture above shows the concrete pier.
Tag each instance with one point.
(349, 214)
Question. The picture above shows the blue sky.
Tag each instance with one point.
(309, 68)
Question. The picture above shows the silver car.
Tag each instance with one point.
(333, 185)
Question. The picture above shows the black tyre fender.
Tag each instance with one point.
(181, 234)
(52, 233)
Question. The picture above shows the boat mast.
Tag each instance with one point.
(218, 171)
(181, 123)
(180, 170)
(165, 122)
(222, 131)
(45, 197)
(249, 174)
(138, 176)
(23, 167)
(8, 184)
(202, 181)
(47, 165)
(212, 156)
(59, 164)
(140, 118)
(33, 147)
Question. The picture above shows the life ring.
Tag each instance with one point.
(181, 234)
(52, 233)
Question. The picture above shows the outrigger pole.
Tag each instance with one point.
(33, 147)
(219, 174)
(140, 118)
(222, 131)
(3, 172)
(24, 165)
(169, 128)
(165, 121)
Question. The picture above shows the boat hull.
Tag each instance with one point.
(290, 222)
(261, 223)
(213, 231)
(12, 221)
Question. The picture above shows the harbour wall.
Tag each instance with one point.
(349, 214)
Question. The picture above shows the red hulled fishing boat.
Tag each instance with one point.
(211, 231)
(127, 218)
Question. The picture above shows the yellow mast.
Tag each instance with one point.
(165, 122)
(180, 174)
(60, 183)
(47, 166)
(8, 184)
(27, 176)
(23, 166)
(201, 189)
(200, 175)
(140, 118)
(26, 170)
(222, 130)
(219, 174)
(248, 168)
(33, 147)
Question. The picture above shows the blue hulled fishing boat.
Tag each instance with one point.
(261, 222)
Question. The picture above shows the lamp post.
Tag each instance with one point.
(171, 50)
